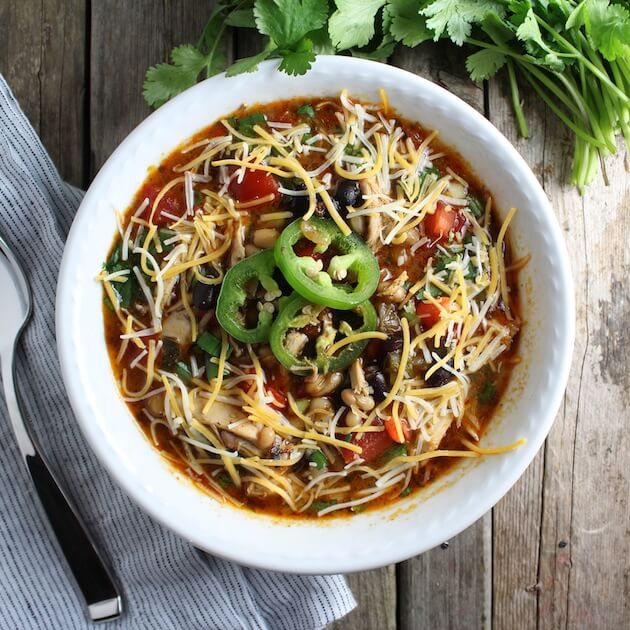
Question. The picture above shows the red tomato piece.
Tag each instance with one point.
(442, 221)
(373, 445)
(170, 204)
(254, 185)
(390, 427)
(429, 313)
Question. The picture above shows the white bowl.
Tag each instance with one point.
(369, 539)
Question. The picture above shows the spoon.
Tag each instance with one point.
(93, 578)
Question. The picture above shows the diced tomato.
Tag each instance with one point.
(279, 399)
(170, 204)
(254, 185)
(429, 313)
(373, 444)
(442, 221)
(390, 427)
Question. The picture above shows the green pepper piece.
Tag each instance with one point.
(233, 296)
(305, 275)
(291, 318)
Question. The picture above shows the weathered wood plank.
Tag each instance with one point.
(447, 588)
(561, 540)
(127, 38)
(42, 57)
(585, 559)
(517, 517)
(375, 592)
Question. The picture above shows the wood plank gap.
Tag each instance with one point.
(86, 166)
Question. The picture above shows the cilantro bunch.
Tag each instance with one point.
(574, 54)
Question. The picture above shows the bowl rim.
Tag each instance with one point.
(527, 453)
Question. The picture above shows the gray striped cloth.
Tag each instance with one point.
(167, 583)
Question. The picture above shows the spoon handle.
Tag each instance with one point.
(92, 576)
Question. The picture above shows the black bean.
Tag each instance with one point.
(348, 193)
(376, 380)
(439, 377)
(204, 296)
(297, 204)
(169, 354)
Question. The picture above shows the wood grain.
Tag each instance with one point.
(561, 544)
(127, 38)
(375, 592)
(556, 551)
(447, 588)
(517, 517)
(42, 57)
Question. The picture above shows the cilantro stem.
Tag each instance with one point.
(603, 76)
(560, 114)
(516, 102)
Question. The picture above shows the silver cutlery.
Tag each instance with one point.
(101, 595)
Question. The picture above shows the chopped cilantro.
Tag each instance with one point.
(306, 110)
(488, 393)
(317, 506)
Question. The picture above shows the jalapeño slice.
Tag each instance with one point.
(234, 296)
(293, 319)
(353, 265)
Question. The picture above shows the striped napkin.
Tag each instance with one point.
(167, 583)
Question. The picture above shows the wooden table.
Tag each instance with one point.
(555, 552)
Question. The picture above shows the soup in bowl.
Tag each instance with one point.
(316, 311)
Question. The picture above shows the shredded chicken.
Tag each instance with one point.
(370, 186)
(237, 253)
(393, 290)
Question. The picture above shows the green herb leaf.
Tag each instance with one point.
(164, 80)
(248, 64)
(183, 371)
(318, 458)
(286, 22)
(242, 18)
(317, 506)
(608, 28)
(456, 17)
(476, 207)
(352, 24)
(209, 343)
(246, 125)
(299, 59)
(405, 22)
(306, 110)
(488, 393)
(405, 492)
(484, 64)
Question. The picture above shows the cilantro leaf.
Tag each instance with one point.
(380, 53)
(608, 28)
(298, 60)
(248, 64)
(241, 18)
(484, 64)
(528, 32)
(352, 24)
(306, 110)
(286, 22)
(406, 25)
(456, 17)
(165, 80)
